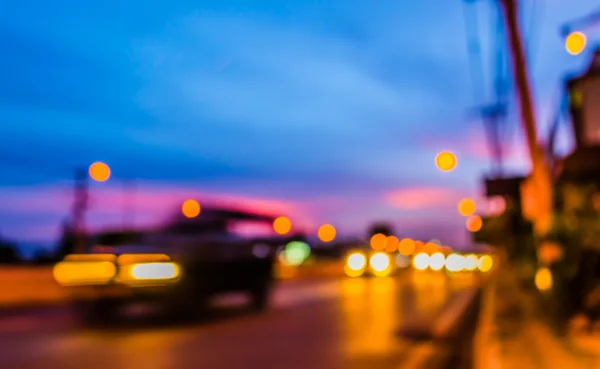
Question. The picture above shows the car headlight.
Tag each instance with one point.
(421, 261)
(81, 273)
(154, 271)
(380, 264)
(355, 264)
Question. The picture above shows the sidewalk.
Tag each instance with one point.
(511, 334)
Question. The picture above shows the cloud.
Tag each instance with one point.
(421, 198)
(43, 208)
(301, 87)
(328, 111)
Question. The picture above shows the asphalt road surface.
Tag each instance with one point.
(345, 323)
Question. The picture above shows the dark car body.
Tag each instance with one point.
(202, 256)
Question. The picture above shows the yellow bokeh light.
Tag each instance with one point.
(436, 261)
(466, 207)
(485, 263)
(357, 261)
(543, 279)
(407, 246)
(455, 263)
(190, 208)
(282, 225)
(421, 261)
(470, 262)
(84, 272)
(326, 233)
(391, 243)
(378, 241)
(446, 161)
(380, 264)
(99, 172)
(575, 43)
(474, 223)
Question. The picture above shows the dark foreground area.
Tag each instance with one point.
(347, 323)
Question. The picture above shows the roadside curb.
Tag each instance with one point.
(486, 349)
(446, 345)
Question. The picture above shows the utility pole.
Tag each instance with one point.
(79, 209)
(539, 186)
(129, 189)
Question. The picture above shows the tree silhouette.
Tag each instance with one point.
(381, 227)
(8, 253)
(67, 241)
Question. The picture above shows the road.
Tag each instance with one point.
(343, 323)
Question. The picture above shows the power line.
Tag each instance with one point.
(533, 33)
(474, 51)
(492, 112)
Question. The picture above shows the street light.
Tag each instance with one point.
(474, 223)
(99, 171)
(575, 42)
(466, 207)
(190, 208)
(282, 225)
(326, 233)
(446, 161)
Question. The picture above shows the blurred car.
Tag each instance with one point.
(179, 267)
(363, 262)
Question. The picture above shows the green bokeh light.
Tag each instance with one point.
(296, 252)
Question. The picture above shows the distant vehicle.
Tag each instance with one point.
(366, 262)
(180, 266)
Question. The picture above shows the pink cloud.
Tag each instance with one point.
(36, 212)
(144, 198)
(417, 198)
(39, 200)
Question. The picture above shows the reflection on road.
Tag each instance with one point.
(348, 323)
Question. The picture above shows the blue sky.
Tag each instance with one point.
(325, 109)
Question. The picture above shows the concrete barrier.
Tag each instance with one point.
(23, 285)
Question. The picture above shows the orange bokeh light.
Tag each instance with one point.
(430, 248)
(474, 223)
(378, 241)
(446, 161)
(282, 225)
(99, 171)
(575, 43)
(326, 233)
(419, 246)
(407, 246)
(190, 208)
(391, 243)
(466, 207)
